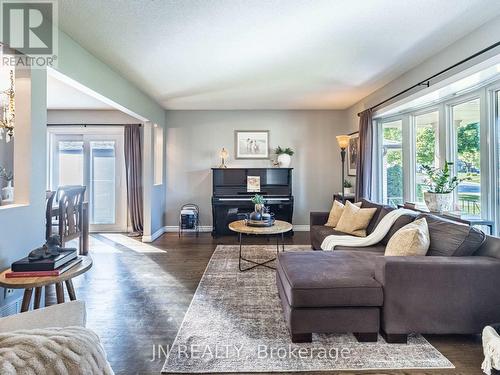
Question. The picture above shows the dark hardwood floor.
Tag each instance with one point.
(137, 295)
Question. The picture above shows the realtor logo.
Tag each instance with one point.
(29, 29)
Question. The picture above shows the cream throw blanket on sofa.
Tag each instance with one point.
(61, 351)
(373, 238)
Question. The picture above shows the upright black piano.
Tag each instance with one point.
(231, 201)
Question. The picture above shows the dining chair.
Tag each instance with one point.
(71, 215)
(49, 202)
(61, 189)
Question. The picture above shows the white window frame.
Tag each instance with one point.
(380, 159)
(87, 133)
(158, 145)
(489, 146)
(483, 143)
(494, 152)
(412, 146)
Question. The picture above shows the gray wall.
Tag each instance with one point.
(194, 139)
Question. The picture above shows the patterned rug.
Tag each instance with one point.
(235, 324)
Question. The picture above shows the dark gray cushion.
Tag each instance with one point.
(379, 214)
(326, 279)
(449, 238)
(398, 224)
(318, 234)
(374, 249)
(489, 248)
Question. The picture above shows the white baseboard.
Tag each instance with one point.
(301, 228)
(154, 236)
(203, 228)
(175, 228)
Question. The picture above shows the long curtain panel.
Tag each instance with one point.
(364, 166)
(133, 166)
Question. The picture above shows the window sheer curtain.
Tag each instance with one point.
(133, 167)
(364, 166)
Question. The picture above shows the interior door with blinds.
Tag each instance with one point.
(95, 160)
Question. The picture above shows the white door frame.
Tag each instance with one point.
(88, 134)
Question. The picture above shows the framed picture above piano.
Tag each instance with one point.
(251, 144)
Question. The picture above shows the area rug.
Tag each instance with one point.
(235, 324)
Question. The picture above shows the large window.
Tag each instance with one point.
(426, 149)
(92, 157)
(465, 120)
(70, 163)
(496, 183)
(103, 182)
(462, 128)
(392, 161)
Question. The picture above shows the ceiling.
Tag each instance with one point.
(267, 54)
(63, 96)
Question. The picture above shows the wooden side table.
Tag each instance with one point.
(279, 229)
(348, 197)
(37, 283)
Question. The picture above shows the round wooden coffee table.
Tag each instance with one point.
(28, 283)
(278, 229)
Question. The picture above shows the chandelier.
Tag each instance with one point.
(8, 111)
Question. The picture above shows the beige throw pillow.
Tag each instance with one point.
(411, 240)
(336, 213)
(355, 220)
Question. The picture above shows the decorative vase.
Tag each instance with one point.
(8, 192)
(439, 202)
(257, 214)
(284, 160)
(347, 191)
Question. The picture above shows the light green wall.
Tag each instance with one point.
(83, 67)
(23, 228)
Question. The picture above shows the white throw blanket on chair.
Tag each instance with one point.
(61, 351)
(491, 348)
(373, 238)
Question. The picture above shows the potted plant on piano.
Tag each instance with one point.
(284, 156)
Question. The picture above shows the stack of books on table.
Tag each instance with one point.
(54, 266)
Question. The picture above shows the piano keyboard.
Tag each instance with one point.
(249, 199)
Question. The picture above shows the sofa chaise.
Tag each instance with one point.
(452, 290)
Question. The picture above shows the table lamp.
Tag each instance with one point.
(223, 155)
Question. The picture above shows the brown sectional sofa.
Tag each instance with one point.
(453, 290)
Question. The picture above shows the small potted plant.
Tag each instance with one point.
(258, 201)
(284, 156)
(8, 191)
(439, 197)
(347, 187)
